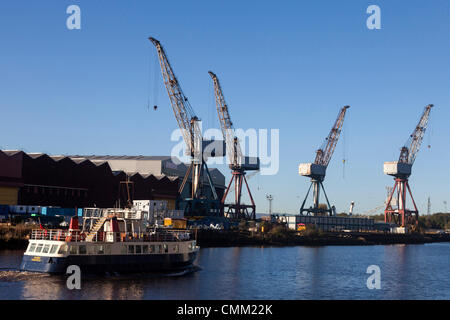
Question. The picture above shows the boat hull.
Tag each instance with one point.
(101, 264)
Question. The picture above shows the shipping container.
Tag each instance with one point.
(33, 209)
(179, 223)
(4, 209)
(18, 209)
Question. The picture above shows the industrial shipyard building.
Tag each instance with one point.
(331, 223)
(87, 181)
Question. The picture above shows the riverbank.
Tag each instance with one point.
(16, 237)
(223, 238)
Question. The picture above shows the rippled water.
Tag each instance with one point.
(332, 272)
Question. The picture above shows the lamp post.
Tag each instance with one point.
(270, 198)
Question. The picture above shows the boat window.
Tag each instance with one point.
(131, 249)
(31, 247)
(46, 248)
(39, 247)
(62, 249)
(82, 250)
(73, 249)
(100, 249)
(152, 249)
(138, 249)
(91, 250)
(166, 249)
(54, 248)
(144, 249)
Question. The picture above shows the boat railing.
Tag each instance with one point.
(157, 236)
(97, 213)
(77, 236)
(57, 235)
(171, 235)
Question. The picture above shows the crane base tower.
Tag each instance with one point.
(316, 209)
(237, 210)
(401, 171)
(198, 204)
(401, 216)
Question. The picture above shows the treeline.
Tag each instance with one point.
(435, 221)
(432, 221)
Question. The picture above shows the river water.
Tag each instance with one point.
(329, 272)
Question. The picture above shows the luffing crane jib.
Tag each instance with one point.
(188, 122)
(408, 153)
(233, 148)
(324, 154)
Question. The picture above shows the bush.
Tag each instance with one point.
(243, 225)
(311, 231)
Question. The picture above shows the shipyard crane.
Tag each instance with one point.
(397, 212)
(317, 170)
(238, 164)
(197, 204)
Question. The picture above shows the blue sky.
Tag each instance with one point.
(287, 65)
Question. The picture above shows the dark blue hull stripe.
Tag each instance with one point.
(110, 263)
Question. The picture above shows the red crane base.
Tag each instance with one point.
(237, 210)
(401, 216)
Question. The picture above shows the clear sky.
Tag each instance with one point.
(287, 65)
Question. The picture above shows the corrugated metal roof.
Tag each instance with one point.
(101, 160)
(35, 155)
(96, 160)
(11, 152)
(124, 157)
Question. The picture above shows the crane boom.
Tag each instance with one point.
(190, 128)
(236, 210)
(409, 151)
(184, 114)
(233, 147)
(324, 154)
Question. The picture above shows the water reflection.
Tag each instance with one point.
(334, 272)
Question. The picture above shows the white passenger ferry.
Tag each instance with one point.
(109, 240)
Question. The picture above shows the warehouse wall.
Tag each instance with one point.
(59, 181)
(9, 195)
(10, 177)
